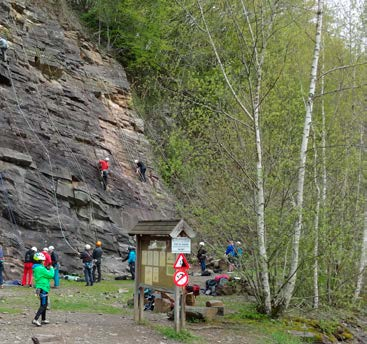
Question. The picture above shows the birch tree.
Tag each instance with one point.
(284, 298)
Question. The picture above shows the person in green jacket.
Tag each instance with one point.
(42, 277)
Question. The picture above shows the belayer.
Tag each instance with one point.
(103, 168)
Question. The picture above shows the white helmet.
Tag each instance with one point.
(34, 249)
(136, 161)
(107, 159)
(87, 247)
(45, 249)
(238, 242)
(51, 248)
(202, 243)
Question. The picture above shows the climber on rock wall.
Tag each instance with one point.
(3, 48)
(103, 168)
(141, 169)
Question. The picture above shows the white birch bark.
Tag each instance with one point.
(285, 296)
(363, 259)
(255, 117)
(316, 229)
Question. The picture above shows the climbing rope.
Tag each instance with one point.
(53, 186)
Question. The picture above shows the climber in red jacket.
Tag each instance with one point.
(103, 167)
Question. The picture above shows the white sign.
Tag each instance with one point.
(181, 245)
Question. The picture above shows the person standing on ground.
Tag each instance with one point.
(131, 261)
(97, 258)
(1, 267)
(87, 260)
(140, 170)
(42, 277)
(28, 263)
(48, 261)
(104, 169)
(230, 253)
(55, 264)
(201, 255)
(3, 48)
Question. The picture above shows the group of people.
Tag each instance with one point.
(51, 260)
(233, 253)
(92, 261)
(141, 169)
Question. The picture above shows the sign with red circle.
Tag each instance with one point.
(181, 278)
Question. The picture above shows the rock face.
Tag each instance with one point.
(63, 106)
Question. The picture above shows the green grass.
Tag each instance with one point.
(284, 338)
(184, 336)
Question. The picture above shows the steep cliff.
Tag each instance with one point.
(63, 106)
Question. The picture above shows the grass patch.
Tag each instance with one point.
(6, 310)
(184, 336)
(284, 338)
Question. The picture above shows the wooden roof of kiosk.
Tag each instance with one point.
(173, 228)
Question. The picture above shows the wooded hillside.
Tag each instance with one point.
(258, 114)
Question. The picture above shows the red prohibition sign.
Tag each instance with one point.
(181, 278)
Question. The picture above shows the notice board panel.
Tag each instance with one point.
(156, 261)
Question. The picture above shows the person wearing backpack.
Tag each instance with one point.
(201, 256)
(27, 278)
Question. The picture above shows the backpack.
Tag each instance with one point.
(210, 287)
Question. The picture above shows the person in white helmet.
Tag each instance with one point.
(27, 278)
(201, 255)
(42, 277)
(104, 169)
(87, 258)
(140, 170)
(3, 48)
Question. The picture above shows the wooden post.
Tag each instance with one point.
(177, 309)
(136, 283)
(183, 309)
(141, 303)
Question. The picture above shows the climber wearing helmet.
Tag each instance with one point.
(42, 277)
(28, 263)
(87, 260)
(3, 48)
(55, 265)
(140, 170)
(103, 168)
(97, 258)
(48, 261)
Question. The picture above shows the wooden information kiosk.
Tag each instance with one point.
(157, 245)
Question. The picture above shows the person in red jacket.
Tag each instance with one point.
(27, 278)
(103, 167)
(48, 260)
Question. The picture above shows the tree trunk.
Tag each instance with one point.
(284, 297)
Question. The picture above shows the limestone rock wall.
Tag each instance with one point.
(63, 106)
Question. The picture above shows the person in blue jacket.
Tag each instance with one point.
(131, 261)
(230, 254)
